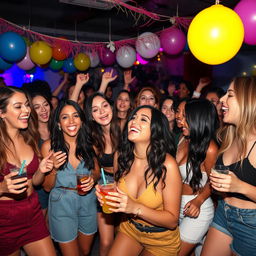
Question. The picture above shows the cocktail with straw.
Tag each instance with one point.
(21, 172)
(105, 187)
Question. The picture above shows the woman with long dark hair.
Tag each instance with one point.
(72, 217)
(196, 155)
(21, 219)
(233, 229)
(168, 108)
(146, 176)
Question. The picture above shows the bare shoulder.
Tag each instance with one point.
(170, 162)
(213, 148)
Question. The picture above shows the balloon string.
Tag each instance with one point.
(109, 29)
(217, 2)
(177, 8)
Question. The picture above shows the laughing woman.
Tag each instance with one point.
(234, 225)
(72, 217)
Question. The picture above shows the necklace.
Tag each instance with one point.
(139, 157)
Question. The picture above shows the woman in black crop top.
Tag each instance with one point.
(234, 226)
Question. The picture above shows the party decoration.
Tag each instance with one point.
(40, 52)
(82, 62)
(126, 56)
(94, 59)
(56, 64)
(173, 41)
(147, 45)
(59, 52)
(107, 57)
(4, 65)
(26, 63)
(246, 9)
(68, 65)
(13, 47)
(215, 35)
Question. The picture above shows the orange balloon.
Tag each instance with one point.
(58, 52)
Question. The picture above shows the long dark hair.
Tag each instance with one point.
(30, 134)
(202, 120)
(96, 129)
(84, 149)
(161, 143)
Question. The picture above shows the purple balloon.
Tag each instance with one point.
(107, 57)
(26, 63)
(246, 9)
(173, 41)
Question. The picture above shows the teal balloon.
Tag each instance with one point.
(12, 47)
(69, 66)
(4, 65)
(56, 64)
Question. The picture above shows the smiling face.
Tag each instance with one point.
(180, 113)
(167, 109)
(230, 106)
(69, 121)
(147, 98)
(184, 125)
(139, 126)
(17, 112)
(101, 111)
(42, 108)
(123, 102)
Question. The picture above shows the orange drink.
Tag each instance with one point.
(104, 189)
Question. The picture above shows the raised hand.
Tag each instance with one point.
(46, 165)
(82, 79)
(128, 77)
(59, 158)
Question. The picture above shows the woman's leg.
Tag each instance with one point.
(40, 248)
(217, 243)
(125, 246)
(70, 248)
(186, 248)
(17, 253)
(85, 243)
(106, 231)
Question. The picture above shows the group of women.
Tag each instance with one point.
(161, 157)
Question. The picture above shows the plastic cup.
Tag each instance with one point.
(80, 178)
(220, 168)
(18, 176)
(104, 189)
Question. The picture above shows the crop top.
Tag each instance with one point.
(245, 172)
(185, 180)
(31, 168)
(107, 160)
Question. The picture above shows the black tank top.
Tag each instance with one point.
(245, 172)
(106, 160)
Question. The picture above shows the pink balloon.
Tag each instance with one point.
(26, 63)
(107, 57)
(246, 9)
(173, 41)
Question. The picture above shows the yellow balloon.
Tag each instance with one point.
(82, 62)
(40, 52)
(215, 35)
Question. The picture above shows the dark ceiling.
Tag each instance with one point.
(51, 17)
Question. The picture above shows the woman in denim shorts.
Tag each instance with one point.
(72, 213)
(234, 225)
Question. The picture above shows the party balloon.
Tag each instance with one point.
(107, 57)
(215, 35)
(68, 65)
(59, 52)
(26, 63)
(82, 61)
(4, 65)
(246, 9)
(40, 52)
(94, 59)
(126, 56)
(56, 64)
(12, 47)
(147, 45)
(173, 41)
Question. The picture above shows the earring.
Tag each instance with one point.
(59, 128)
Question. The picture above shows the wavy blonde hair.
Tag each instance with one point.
(154, 91)
(245, 92)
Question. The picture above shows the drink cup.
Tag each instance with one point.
(104, 189)
(80, 178)
(220, 168)
(18, 176)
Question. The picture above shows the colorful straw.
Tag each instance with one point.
(22, 167)
(103, 176)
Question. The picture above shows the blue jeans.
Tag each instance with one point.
(240, 224)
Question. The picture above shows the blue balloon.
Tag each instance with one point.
(69, 66)
(4, 64)
(12, 47)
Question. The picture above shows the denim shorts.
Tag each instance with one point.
(70, 213)
(240, 224)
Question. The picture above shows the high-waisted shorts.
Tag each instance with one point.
(240, 224)
(166, 243)
(21, 222)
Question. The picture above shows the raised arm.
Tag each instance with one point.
(128, 79)
(59, 88)
(81, 80)
(106, 79)
(203, 82)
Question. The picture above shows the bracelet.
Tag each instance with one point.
(138, 212)
(196, 94)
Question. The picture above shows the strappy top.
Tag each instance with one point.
(106, 160)
(245, 172)
(31, 168)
